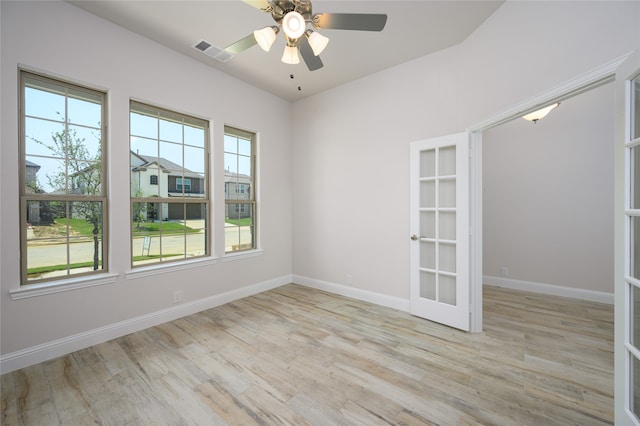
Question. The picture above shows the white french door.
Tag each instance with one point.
(439, 223)
(628, 82)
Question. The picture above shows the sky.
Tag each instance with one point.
(46, 114)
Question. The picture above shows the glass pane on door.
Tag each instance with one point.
(447, 225)
(634, 313)
(428, 255)
(447, 193)
(634, 247)
(634, 189)
(427, 194)
(428, 163)
(635, 121)
(428, 285)
(438, 224)
(447, 161)
(427, 224)
(635, 391)
(447, 257)
(447, 288)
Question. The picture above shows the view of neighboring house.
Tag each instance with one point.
(31, 179)
(85, 181)
(159, 177)
(237, 187)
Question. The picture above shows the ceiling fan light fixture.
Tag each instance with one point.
(317, 41)
(290, 55)
(541, 113)
(265, 37)
(293, 25)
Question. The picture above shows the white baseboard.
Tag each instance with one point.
(50, 350)
(355, 293)
(555, 290)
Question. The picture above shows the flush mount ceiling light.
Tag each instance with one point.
(293, 16)
(541, 113)
(293, 25)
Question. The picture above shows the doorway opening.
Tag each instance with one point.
(547, 198)
(596, 82)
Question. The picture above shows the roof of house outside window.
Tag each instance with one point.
(170, 167)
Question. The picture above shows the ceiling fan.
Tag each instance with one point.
(292, 16)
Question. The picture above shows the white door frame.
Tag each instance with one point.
(624, 309)
(583, 83)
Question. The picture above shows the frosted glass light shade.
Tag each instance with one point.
(317, 42)
(541, 113)
(293, 25)
(265, 37)
(290, 55)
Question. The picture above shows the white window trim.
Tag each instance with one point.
(240, 255)
(162, 268)
(58, 286)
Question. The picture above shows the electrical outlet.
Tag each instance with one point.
(177, 296)
(349, 279)
(504, 271)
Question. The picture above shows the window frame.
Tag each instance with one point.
(172, 197)
(68, 197)
(250, 189)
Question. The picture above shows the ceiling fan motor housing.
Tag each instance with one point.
(281, 7)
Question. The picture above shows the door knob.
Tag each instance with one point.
(414, 237)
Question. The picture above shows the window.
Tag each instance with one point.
(183, 184)
(240, 202)
(153, 180)
(170, 217)
(63, 201)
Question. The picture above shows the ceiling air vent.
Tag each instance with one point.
(223, 56)
(202, 45)
(213, 51)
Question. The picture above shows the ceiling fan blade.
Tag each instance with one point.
(241, 45)
(313, 62)
(263, 5)
(350, 21)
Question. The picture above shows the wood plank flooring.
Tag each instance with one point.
(299, 356)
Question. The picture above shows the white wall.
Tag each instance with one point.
(548, 198)
(351, 144)
(65, 41)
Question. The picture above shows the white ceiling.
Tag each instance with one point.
(414, 28)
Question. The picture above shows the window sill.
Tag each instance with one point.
(152, 270)
(230, 257)
(69, 284)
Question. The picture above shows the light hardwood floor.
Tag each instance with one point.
(295, 355)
